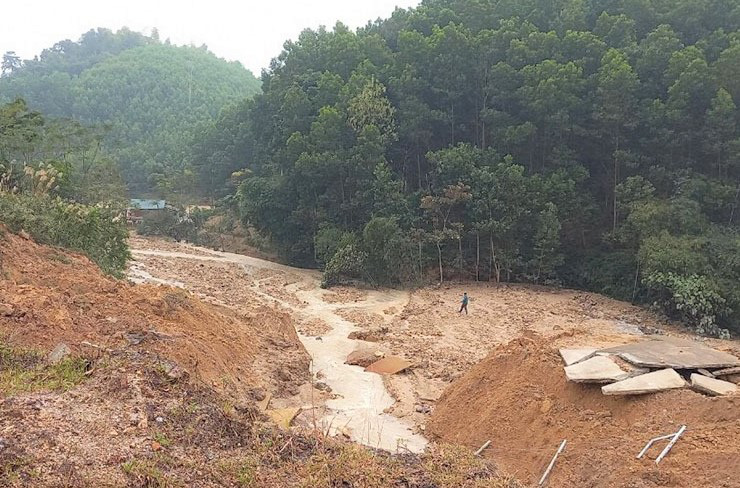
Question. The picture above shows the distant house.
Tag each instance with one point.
(137, 208)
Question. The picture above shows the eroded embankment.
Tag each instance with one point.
(359, 399)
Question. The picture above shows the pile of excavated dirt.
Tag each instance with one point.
(48, 296)
(518, 398)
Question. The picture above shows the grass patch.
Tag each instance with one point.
(144, 473)
(26, 371)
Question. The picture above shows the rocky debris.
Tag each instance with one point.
(364, 356)
(712, 386)
(664, 379)
(366, 335)
(573, 356)
(422, 408)
(60, 352)
(598, 369)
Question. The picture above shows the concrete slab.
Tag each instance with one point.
(727, 371)
(712, 386)
(704, 372)
(598, 369)
(389, 365)
(576, 355)
(673, 353)
(664, 379)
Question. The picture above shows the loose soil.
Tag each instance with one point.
(518, 398)
(169, 395)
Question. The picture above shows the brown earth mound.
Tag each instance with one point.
(49, 296)
(518, 398)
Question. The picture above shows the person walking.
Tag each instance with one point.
(464, 303)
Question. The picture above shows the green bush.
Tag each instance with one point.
(349, 261)
(168, 223)
(694, 299)
(96, 231)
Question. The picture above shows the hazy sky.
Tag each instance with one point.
(252, 32)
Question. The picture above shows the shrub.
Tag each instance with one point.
(693, 298)
(348, 261)
(97, 231)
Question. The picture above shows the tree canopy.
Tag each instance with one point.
(592, 144)
(151, 97)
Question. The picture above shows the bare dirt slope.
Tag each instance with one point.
(131, 418)
(518, 398)
(50, 296)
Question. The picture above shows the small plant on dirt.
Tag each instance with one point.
(162, 439)
(144, 473)
(25, 371)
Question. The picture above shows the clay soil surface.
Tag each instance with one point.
(518, 398)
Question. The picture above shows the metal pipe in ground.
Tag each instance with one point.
(552, 463)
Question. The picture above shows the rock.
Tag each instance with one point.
(60, 352)
(363, 357)
(6, 310)
(323, 387)
(159, 420)
(576, 355)
(421, 408)
(664, 379)
(712, 386)
(598, 369)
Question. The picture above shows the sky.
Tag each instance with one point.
(247, 31)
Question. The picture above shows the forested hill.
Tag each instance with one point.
(589, 143)
(152, 96)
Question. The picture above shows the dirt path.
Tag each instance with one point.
(359, 400)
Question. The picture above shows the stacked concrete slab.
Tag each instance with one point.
(651, 366)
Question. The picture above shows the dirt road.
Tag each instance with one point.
(359, 400)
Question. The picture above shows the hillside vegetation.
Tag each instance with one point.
(150, 96)
(591, 144)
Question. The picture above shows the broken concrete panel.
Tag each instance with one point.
(712, 386)
(598, 369)
(673, 353)
(665, 379)
(576, 355)
(389, 365)
(704, 372)
(727, 371)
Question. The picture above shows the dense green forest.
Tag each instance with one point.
(149, 97)
(590, 144)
